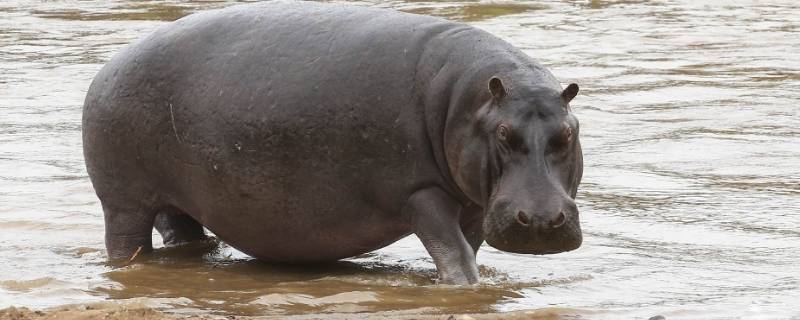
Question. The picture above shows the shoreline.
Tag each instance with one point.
(121, 311)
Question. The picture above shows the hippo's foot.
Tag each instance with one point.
(435, 217)
(130, 218)
(178, 228)
(129, 224)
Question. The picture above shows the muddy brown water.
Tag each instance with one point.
(690, 115)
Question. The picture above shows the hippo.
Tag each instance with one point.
(307, 132)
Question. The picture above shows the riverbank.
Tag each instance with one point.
(116, 311)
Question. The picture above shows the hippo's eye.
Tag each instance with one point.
(502, 132)
(561, 141)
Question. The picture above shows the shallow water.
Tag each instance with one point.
(690, 201)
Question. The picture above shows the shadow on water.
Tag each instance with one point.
(203, 277)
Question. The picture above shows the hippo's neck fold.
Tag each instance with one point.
(453, 73)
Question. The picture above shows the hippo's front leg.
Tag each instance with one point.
(472, 226)
(435, 219)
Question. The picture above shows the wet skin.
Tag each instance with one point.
(315, 132)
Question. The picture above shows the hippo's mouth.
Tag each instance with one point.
(509, 236)
(535, 247)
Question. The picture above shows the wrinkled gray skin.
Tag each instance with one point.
(306, 132)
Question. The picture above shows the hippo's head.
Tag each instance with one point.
(521, 160)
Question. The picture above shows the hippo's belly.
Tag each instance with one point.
(302, 234)
(325, 190)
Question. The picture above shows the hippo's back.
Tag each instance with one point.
(294, 131)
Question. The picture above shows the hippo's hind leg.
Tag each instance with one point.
(177, 227)
(129, 221)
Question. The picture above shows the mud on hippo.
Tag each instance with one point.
(304, 132)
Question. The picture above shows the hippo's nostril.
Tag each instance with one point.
(559, 221)
(522, 218)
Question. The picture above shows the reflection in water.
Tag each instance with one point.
(252, 287)
(213, 279)
(689, 204)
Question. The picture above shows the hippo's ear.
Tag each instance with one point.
(496, 87)
(569, 93)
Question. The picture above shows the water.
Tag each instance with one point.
(690, 202)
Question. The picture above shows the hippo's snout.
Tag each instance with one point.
(554, 221)
(533, 230)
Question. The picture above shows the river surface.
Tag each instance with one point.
(690, 204)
